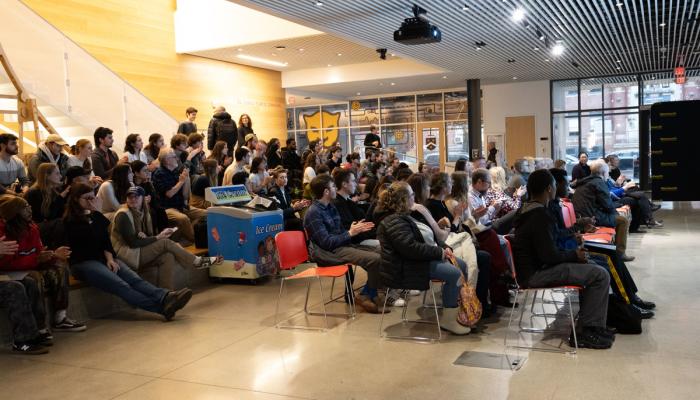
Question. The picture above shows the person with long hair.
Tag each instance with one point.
(440, 188)
(137, 244)
(94, 261)
(209, 178)
(260, 179)
(220, 154)
(274, 154)
(80, 154)
(412, 256)
(112, 193)
(45, 197)
(155, 143)
(420, 183)
(44, 269)
(142, 178)
(133, 149)
(496, 193)
(245, 128)
(375, 173)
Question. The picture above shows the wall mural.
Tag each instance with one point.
(329, 126)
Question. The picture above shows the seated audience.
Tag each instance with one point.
(580, 170)
(112, 193)
(485, 212)
(274, 154)
(169, 185)
(592, 199)
(195, 145)
(46, 197)
(260, 179)
(49, 151)
(336, 158)
(155, 143)
(94, 260)
(411, 256)
(628, 193)
(375, 173)
(26, 338)
(137, 244)
(13, 176)
(289, 207)
(241, 178)
(46, 271)
(242, 157)
(291, 161)
(350, 212)
(539, 263)
(332, 245)
(560, 164)
(142, 179)
(440, 188)
(78, 175)
(220, 155)
(210, 178)
(104, 159)
(81, 157)
(496, 193)
(521, 171)
(133, 149)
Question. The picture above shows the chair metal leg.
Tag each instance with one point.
(404, 320)
(573, 324)
(332, 288)
(323, 303)
(277, 308)
(381, 319)
(437, 316)
(306, 302)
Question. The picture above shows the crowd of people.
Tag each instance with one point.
(104, 218)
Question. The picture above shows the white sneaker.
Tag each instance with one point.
(414, 292)
(399, 302)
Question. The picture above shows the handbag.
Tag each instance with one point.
(470, 309)
(623, 316)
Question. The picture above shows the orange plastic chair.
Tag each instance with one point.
(601, 235)
(292, 250)
(527, 291)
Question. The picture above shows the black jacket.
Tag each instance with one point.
(350, 212)
(291, 160)
(242, 132)
(580, 171)
(284, 204)
(405, 255)
(592, 199)
(370, 138)
(222, 127)
(534, 245)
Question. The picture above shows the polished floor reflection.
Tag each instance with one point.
(224, 346)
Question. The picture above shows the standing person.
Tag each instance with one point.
(45, 269)
(169, 185)
(209, 178)
(155, 143)
(13, 176)
(580, 170)
(112, 193)
(188, 126)
(222, 127)
(46, 197)
(492, 154)
(26, 338)
(274, 154)
(142, 179)
(539, 263)
(94, 260)
(372, 139)
(137, 244)
(133, 149)
(104, 159)
(245, 128)
(50, 151)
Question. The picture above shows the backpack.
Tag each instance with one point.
(470, 308)
(623, 316)
(226, 130)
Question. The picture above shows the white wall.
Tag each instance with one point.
(517, 100)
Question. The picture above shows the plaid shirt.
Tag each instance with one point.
(322, 223)
(164, 180)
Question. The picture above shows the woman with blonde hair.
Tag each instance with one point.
(45, 197)
(411, 255)
(80, 154)
(496, 193)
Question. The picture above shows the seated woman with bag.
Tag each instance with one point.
(411, 257)
(134, 239)
(94, 261)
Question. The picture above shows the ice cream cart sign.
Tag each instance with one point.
(221, 195)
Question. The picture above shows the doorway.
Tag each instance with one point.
(520, 138)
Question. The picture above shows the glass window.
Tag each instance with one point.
(621, 91)
(364, 112)
(431, 145)
(457, 140)
(332, 137)
(290, 119)
(662, 87)
(398, 110)
(622, 139)
(308, 118)
(429, 107)
(402, 140)
(302, 142)
(591, 94)
(335, 115)
(565, 95)
(592, 134)
(566, 135)
(358, 139)
(455, 106)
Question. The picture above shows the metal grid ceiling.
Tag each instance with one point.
(595, 33)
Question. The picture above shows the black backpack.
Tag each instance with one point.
(623, 316)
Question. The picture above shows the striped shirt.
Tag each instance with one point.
(13, 170)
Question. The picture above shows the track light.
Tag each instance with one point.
(479, 45)
(558, 48)
(518, 14)
(540, 35)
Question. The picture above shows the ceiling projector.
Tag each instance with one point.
(417, 30)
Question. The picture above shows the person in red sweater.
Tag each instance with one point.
(34, 266)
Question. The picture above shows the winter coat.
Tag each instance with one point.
(222, 127)
(592, 199)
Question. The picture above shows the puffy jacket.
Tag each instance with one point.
(592, 199)
(222, 127)
(405, 255)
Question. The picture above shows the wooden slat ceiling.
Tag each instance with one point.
(602, 37)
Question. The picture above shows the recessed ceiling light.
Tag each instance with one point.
(329, 65)
(558, 48)
(540, 35)
(653, 77)
(239, 49)
(301, 49)
(535, 48)
(393, 54)
(618, 68)
(444, 77)
(511, 60)
(515, 78)
(358, 93)
(339, 54)
(662, 24)
(393, 84)
(619, 4)
(280, 48)
(465, 8)
(262, 60)
(546, 60)
(618, 61)
(518, 14)
(319, 4)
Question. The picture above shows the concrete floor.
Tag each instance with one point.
(224, 346)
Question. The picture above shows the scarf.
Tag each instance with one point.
(47, 153)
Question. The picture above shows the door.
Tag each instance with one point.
(431, 150)
(520, 138)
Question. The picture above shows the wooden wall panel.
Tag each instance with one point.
(520, 138)
(136, 40)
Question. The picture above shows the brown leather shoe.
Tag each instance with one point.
(366, 304)
(379, 302)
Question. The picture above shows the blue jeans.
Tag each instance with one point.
(447, 272)
(125, 283)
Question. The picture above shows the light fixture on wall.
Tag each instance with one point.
(262, 60)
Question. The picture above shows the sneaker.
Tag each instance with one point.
(29, 348)
(207, 262)
(655, 224)
(399, 303)
(590, 339)
(175, 301)
(393, 296)
(44, 339)
(68, 325)
(414, 292)
(626, 258)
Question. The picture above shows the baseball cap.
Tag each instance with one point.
(54, 138)
(136, 190)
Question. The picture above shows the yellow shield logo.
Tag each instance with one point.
(329, 128)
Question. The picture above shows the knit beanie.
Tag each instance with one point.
(10, 206)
